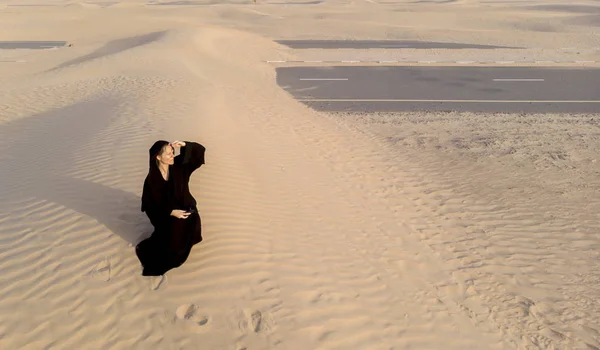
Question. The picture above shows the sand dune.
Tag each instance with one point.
(340, 231)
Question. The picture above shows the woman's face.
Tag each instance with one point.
(167, 156)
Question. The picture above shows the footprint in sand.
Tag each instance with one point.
(254, 322)
(102, 271)
(194, 319)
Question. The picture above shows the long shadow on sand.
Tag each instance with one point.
(113, 47)
(117, 210)
(38, 155)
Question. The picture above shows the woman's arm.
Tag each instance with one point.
(191, 156)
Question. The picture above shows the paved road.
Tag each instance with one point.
(11, 45)
(381, 44)
(477, 89)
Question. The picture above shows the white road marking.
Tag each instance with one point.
(518, 79)
(323, 78)
(462, 101)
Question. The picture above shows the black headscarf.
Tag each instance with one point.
(154, 151)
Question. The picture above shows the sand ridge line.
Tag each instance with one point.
(268, 123)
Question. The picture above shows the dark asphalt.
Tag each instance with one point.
(381, 44)
(476, 89)
(35, 45)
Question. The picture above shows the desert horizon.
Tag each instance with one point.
(386, 227)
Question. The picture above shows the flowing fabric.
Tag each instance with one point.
(172, 239)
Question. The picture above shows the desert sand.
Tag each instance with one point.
(321, 230)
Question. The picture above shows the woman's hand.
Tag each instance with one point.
(177, 144)
(180, 214)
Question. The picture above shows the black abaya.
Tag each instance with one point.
(172, 240)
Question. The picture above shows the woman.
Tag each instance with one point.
(170, 206)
